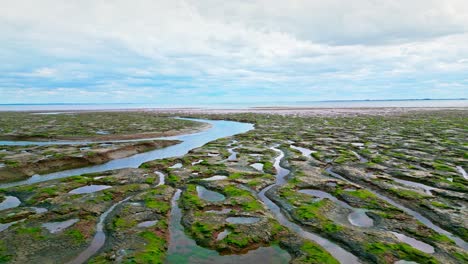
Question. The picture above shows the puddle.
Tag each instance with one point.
(2, 165)
(323, 195)
(426, 248)
(89, 189)
(425, 188)
(223, 234)
(359, 218)
(39, 210)
(85, 148)
(257, 166)
(213, 154)
(4, 227)
(147, 223)
(305, 152)
(208, 195)
(197, 162)
(232, 154)
(360, 158)
(215, 178)
(405, 262)
(55, 227)
(223, 211)
(9, 202)
(176, 166)
(242, 220)
(462, 172)
(102, 132)
(183, 249)
(162, 180)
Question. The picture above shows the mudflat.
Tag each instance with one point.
(377, 187)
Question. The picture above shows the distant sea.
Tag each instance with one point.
(312, 104)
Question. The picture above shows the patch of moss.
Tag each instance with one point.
(310, 210)
(161, 206)
(173, 179)
(237, 239)
(190, 199)
(121, 223)
(442, 167)
(407, 194)
(440, 205)
(34, 232)
(316, 254)
(401, 251)
(155, 249)
(76, 236)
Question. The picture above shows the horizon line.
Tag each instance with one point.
(305, 101)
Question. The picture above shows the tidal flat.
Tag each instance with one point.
(360, 188)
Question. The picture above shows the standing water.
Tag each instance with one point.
(219, 129)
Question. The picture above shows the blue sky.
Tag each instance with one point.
(197, 52)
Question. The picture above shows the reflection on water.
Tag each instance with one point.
(223, 234)
(55, 227)
(161, 178)
(176, 166)
(147, 223)
(405, 262)
(305, 152)
(427, 189)
(257, 166)
(242, 220)
(89, 189)
(223, 211)
(9, 202)
(216, 178)
(208, 195)
(426, 248)
(462, 172)
(359, 218)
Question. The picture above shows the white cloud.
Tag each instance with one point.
(265, 44)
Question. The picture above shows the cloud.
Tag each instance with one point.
(267, 49)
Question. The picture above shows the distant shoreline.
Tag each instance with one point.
(337, 104)
(293, 111)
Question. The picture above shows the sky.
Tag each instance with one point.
(185, 52)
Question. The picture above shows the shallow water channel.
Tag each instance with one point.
(219, 129)
(336, 251)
